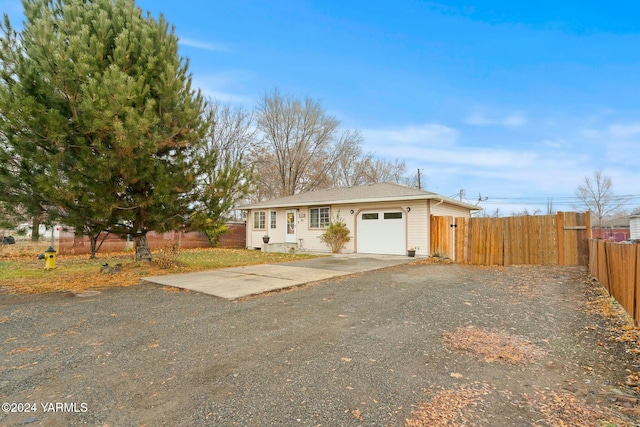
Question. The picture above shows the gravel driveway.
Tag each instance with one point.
(365, 350)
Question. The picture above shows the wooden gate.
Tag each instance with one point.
(443, 236)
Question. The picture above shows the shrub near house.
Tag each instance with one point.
(336, 236)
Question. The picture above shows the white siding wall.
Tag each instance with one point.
(254, 236)
(634, 226)
(418, 227)
(311, 237)
(445, 209)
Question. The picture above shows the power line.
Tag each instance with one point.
(625, 200)
(625, 196)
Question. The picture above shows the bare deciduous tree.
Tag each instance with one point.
(356, 168)
(526, 212)
(379, 170)
(300, 145)
(232, 132)
(224, 177)
(597, 196)
(351, 168)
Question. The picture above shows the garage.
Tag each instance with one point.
(382, 232)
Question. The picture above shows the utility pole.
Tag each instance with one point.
(419, 183)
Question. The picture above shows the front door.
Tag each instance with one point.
(290, 235)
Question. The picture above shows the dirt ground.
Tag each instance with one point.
(414, 345)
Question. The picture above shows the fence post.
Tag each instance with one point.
(635, 272)
(560, 237)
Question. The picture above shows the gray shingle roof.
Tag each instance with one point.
(357, 194)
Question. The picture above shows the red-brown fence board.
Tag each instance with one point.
(235, 237)
(70, 244)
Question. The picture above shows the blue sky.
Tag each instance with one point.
(516, 101)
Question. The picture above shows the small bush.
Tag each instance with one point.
(167, 257)
(336, 236)
(442, 255)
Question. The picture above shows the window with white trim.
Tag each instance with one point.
(272, 216)
(259, 220)
(319, 217)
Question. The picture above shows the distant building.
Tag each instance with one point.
(614, 229)
(634, 226)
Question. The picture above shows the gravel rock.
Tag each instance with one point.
(359, 351)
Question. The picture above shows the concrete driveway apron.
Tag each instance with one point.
(238, 282)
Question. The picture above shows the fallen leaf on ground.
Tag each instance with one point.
(495, 346)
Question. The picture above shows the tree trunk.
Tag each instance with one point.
(143, 253)
(35, 229)
(94, 245)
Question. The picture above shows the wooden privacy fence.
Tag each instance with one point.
(617, 268)
(560, 239)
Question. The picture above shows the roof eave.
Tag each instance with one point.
(267, 205)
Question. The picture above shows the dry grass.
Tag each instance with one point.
(75, 273)
(493, 346)
(433, 260)
(23, 248)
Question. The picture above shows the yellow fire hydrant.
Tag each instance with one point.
(50, 258)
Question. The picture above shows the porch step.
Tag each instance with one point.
(280, 247)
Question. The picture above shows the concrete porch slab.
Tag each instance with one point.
(238, 282)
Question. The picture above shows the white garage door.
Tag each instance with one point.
(382, 232)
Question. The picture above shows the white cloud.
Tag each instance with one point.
(511, 121)
(439, 144)
(555, 143)
(215, 47)
(424, 134)
(226, 97)
(624, 131)
(590, 133)
(450, 160)
(226, 87)
(514, 120)
(478, 119)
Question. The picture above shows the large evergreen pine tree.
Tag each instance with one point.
(96, 95)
